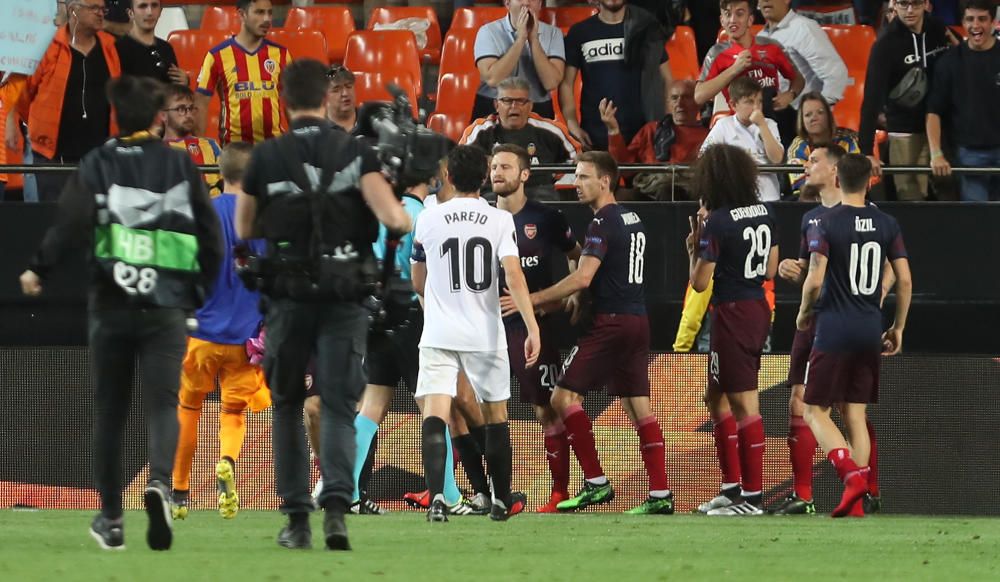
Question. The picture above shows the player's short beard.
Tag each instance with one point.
(510, 189)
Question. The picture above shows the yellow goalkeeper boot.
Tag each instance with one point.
(229, 500)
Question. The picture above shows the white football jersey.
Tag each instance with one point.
(462, 243)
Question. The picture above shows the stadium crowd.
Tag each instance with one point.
(587, 85)
(604, 91)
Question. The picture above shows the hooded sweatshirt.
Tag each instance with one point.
(895, 53)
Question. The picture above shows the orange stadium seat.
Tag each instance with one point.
(458, 52)
(371, 86)
(683, 53)
(577, 89)
(221, 18)
(847, 111)
(450, 124)
(191, 46)
(387, 51)
(854, 44)
(476, 16)
(301, 43)
(456, 93)
(389, 14)
(566, 16)
(335, 22)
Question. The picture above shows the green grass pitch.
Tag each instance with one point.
(54, 545)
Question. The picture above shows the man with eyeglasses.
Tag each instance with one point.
(900, 71)
(547, 141)
(342, 109)
(178, 131)
(142, 53)
(68, 113)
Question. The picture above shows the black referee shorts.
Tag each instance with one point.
(394, 356)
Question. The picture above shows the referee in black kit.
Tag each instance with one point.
(315, 194)
(142, 210)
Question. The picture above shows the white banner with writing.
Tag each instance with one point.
(26, 29)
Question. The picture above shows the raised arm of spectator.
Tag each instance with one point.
(550, 62)
(493, 69)
(714, 79)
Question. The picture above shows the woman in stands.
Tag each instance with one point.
(816, 125)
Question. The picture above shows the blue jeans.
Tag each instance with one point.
(980, 188)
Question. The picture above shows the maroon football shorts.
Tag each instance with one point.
(614, 353)
(538, 382)
(739, 332)
(802, 346)
(835, 377)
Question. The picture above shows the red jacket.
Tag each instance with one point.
(684, 150)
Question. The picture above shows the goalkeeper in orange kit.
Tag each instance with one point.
(217, 351)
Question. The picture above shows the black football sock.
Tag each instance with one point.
(368, 468)
(478, 434)
(434, 450)
(499, 459)
(471, 457)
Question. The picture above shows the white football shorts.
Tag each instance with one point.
(488, 372)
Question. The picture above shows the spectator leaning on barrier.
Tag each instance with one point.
(900, 69)
(68, 113)
(750, 130)
(547, 141)
(966, 96)
(620, 53)
(142, 53)
(244, 71)
(816, 125)
(178, 131)
(675, 139)
(519, 45)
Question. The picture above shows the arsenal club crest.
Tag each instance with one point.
(193, 149)
(270, 66)
(530, 230)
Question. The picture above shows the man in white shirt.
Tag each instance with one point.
(748, 129)
(807, 45)
(458, 250)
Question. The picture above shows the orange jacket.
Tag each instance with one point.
(10, 94)
(47, 88)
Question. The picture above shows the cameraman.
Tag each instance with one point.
(311, 193)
